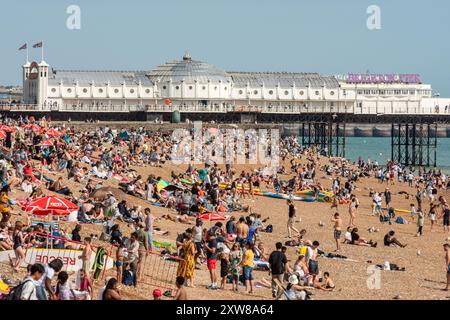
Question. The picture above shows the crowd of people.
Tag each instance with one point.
(39, 159)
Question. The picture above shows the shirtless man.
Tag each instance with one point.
(447, 262)
(86, 255)
(242, 231)
(181, 291)
(337, 229)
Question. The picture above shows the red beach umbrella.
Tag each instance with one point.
(46, 143)
(53, 133)
(45, 212)
(33, 127)
(6, 128)
(51, 203)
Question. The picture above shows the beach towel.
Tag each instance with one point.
(161, 185)
(99, 262)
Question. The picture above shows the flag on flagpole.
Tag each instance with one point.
(38, 45)
(23, 47)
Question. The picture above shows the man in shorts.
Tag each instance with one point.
(337, 229)
(211, 259)
(313, 264)
(248, 265)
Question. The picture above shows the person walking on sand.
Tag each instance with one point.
(277, 262)
(337, 229)
(292, 212)
(420, 222)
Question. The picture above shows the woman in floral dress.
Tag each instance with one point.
(187, 265)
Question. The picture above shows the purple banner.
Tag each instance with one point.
(383, 78)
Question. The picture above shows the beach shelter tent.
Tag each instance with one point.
(161, 185)
(211, 216)
(173, 187)
(124, 135)
(102, 193)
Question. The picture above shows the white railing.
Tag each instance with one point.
(224, 108)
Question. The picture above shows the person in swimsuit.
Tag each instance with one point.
(328, 284)
(177, 218)
(18, 245)
(337, 229)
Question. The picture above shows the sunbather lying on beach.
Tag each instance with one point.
(184, 218)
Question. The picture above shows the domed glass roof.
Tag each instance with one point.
(188, 70)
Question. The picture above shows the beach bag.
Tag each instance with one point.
(15, 292)
(128, 278)
(400, 220)
(269, 228)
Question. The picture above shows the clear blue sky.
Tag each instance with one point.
(326, 36)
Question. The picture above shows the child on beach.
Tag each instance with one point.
(18, 240)
(420, 221)
(85, 284)
(120, 256)
(413, 211)
(64, 289)
(235, 262)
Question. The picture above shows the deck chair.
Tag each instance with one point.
(281, 291)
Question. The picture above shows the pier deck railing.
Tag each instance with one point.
(226, 108)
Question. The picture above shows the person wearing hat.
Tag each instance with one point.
(293, 290)
(156, 294)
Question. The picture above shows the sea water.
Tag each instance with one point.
(379, 149)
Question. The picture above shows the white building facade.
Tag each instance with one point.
(196, 86)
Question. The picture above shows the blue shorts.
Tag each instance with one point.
(313, 267)
(248, 273)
